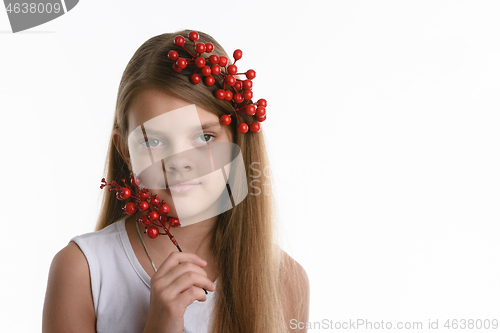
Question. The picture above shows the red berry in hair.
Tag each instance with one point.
(199, 62)
(220, 94)
(213, 59)
(176, 68)
(152, 231)
(229, 95)
(193, 36)
(247, 94)
(136, 181)
(237, 54)
(222, 61)
(173, 55)
(181, 63)
(260, 111)
(164, 209)
(206, 71)
(250, 74)
(261, 119)
(247, 85)
(232, 69)
(242, 128)
(130, 208)
(215, 70)
(209, 81)
(174, 222)
(153, 216)
(200, 47)
(195, 78)
(143, 206)
(238, 98)
(123, 194)
(179, 40)
(209, 47)
(255, 127)
(230, 80)
(225, 120)
(262, 102)
(250, 110)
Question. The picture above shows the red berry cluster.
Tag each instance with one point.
(154, 211)
(236, 91)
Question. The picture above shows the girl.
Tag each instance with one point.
(229, 277)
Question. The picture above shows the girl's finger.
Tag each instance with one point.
(175, 258)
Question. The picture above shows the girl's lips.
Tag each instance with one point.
(182, 187)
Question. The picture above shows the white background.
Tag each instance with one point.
(383, 130)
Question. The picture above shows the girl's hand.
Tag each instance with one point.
(177, 284)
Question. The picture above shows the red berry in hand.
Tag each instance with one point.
(255, 127)
(225, 120)
(200, 47)
(154, 201)
(123, 194)
(215, 70)
(195, 78)
(237, 54)
(163, 219)
(144, 220)
(238, 98)
(209, 81)
(247, 94)
(152, 231)
(261, 119)
(199, 62)
(250, 74)
(176, 68)
(247, 85)
(230, 80)
(143, 206)
(260, 111)
(153, 216)
(262, 102)
(229, 95)
(174, 222)
(193, 36)
(206, 71)
(173, 55)
(130, 208)
(164, 209)
(213, 59)
(250, 110)
(179, 40)
(222, 61)
(232, 69)
(242, 128)
(209, 47)
(144, 194)
(181, 63)
(220, 94)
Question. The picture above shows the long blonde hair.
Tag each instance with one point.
(243, 239)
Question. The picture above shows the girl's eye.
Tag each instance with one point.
(153, 143)
(205, 138)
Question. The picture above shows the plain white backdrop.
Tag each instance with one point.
(383, 132)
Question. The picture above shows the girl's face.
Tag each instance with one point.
(181, 153)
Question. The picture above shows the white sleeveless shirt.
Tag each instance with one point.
(121, 286)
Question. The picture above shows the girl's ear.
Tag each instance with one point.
(121, 146)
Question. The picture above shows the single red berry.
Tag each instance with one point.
(229, 95)
(237, 54)
(195, 78)
(247, 94)
(242, 128)
(215, 70)
(179, 40)
(143, 206)
(209, 47)
(262, 102)
(260, 111)
(154, 201)
(255, 127)
(230, 80)
(250, 110)
(181, 63)
(173, 55)
(174, 222)
(238, 85)
(220, 94)
(200, 47)
(130, 208)
(123, 194)
(213, 59)
(247, 85)
(163, 219)
(199, 62)
(164, 209)
(144, 194)
(176, 68)
(136, 181)
(238, 98)
(261, 119)
(152, 231)
(193, 36)
(145, 221)
(232, 69)
(153, 216)
(209, 81)
(222, 61)
(250, 74)
(206, 71)
(225, 120)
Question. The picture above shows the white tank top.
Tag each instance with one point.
(121, 286)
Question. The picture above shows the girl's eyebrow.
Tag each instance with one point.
(210, 124)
